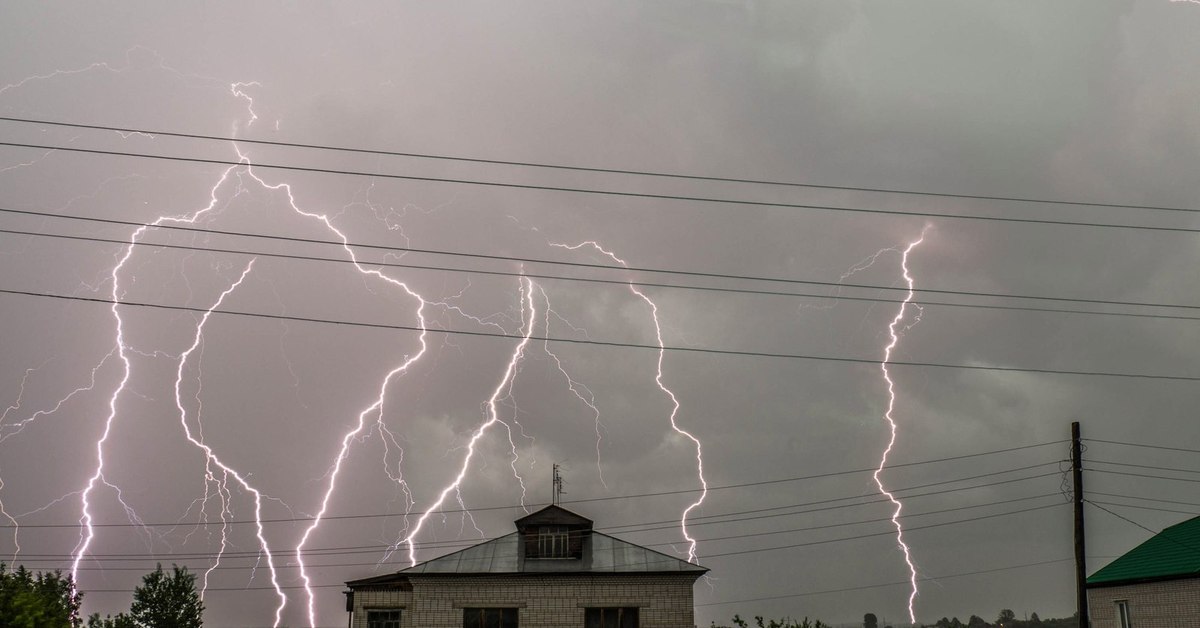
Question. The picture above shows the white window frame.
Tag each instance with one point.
(554, 542)
(399, 615)
(1123, 620)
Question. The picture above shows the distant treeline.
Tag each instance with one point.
(1005, 619)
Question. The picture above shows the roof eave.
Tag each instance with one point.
(1146, 580)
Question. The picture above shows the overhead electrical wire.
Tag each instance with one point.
(888, 584)
(620, 497)
(847, 538)
(594, 191)
(458, 544)
(362, 549)
(1158, 533)
(603, 343)
(589, 169)
(759, 599)
(615, 282)
(1150, 508)
(591, 265)
(1143, 445)
(1140, 475)
(1142, 466)
(1142, 498)
(699, 274)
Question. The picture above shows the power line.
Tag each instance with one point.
(1141, 475)
(739, 552)
(696, 521)
(613, 344)
(1147, 499)
(599, 192)
(595, 266)
(661, 544)
(888, 584)
(1158, 533)
(617, 282)
(598, 499)
(1151, 508)
(1145, 466)
(590, 169)
(885, 533)
(1147, 446)
(361, 549)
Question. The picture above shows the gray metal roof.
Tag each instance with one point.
(602, 554)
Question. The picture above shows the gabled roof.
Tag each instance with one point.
(553, 515)
(1172, 553)
(602, 554)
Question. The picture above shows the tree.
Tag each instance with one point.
(870, 621)
(166, 601)
(976, 622)
(1035, 620)
(44, 600)
(120, 621)
(786, 622)
(1006, 617)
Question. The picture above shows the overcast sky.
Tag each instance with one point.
(1090, 101)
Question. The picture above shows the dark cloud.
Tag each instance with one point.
(1072, 101)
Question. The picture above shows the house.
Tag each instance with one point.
(553, 571)
(1154, 585)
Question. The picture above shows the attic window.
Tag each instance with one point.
(553, 542)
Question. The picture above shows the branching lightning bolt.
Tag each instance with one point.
(894, 333)
(87, 534)
(581, 392)
(492, 417)
(217, 473)
(211, 459)
(658, 379)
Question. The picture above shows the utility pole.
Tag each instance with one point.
(1081, 602)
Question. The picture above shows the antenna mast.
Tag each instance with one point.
(556, 487)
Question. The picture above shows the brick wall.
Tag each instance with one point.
(544, 601)
(1166, 604)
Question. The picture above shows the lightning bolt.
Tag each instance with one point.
(658, 379)
(211, 458)
(87, 533)
(221, 480)
(9, 430)
(492, 417)
(895, 334)
(16, 527)
(581, 392)
(375, 408)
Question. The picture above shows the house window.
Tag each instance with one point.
(489, 618)
(611, 617)
(553, 542)
(1123, 614)
(383, 618)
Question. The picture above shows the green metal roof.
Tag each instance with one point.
(1174, 552)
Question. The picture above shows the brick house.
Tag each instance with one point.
(1154, 585)
(554, 571)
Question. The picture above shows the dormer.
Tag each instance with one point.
(553, 533)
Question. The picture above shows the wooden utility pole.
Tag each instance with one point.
(1081, 602)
